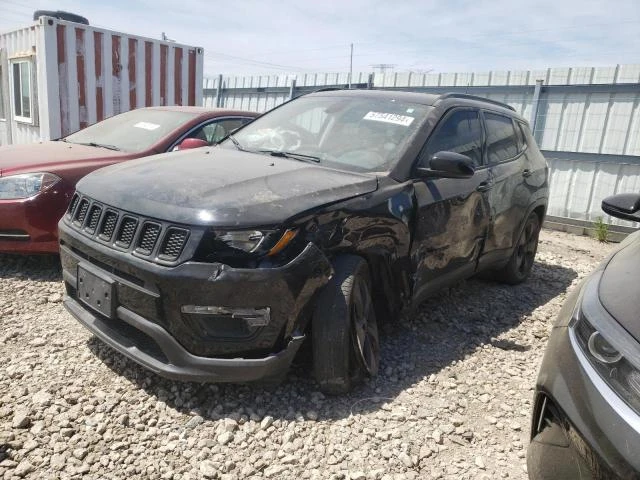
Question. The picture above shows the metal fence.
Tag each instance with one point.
(586, 120)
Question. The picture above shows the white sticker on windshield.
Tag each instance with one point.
(389, 118)
(147, 125)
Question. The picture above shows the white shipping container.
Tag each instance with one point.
(58, 76)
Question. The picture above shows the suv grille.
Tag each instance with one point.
(148, 238)
(173, 243)
(126, 232)
(73, 204)
(81, 212)
(94, 216)
(152, 239)
(108, 225)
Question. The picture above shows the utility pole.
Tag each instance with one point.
(351, 66)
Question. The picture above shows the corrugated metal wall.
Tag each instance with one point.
(110, 72)
(587, 120)
(85, 74)
(20, 43)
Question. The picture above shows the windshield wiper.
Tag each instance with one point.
(101, 145)
(237, 143)
(294, 155)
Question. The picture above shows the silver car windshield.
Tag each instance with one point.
(352, 133)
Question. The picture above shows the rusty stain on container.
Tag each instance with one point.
(81, 75)
(62, 78)
(116, 68)
(192, 77)
(133, 45)
(97, 42)
(164, 50)
(148, 79)
(177, 66)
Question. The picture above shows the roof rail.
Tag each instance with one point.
(474, 97)
(329, 89)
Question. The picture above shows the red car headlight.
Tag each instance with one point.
(26, 185)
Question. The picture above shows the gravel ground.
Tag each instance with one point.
(453, 398)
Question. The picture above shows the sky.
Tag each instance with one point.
(269, 37)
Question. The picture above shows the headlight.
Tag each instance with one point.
(270, 242)
(246, 240)
(605, 355)
(25, 185)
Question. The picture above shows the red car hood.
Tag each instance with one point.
(50, 156)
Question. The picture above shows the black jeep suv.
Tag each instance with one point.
(328, 212)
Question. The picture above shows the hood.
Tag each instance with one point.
(221, 187)
(48, 156)
(619, 287)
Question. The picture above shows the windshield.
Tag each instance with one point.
(132, 131)
(352, 133)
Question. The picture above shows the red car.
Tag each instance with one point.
(38, 180)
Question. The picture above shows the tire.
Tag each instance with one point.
(524, 253)
(344, 330)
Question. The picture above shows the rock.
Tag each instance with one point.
(357, 476)
(225, 437)
(79, 453)
(480, 463)
(42, 398)
(266, 422)
(21, 420)
(23, 468)
(406, 459)
(194, 422)
(208, 469)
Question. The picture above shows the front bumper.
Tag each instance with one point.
(169, 359)
(593, 434)
(149, 325)
(30, 225)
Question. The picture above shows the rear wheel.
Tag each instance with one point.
(344, 328)
(524, 253)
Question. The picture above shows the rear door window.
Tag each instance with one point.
(502, 143)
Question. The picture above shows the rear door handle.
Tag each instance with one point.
(484, 186)
(527, 173)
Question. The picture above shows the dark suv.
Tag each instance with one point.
(329, 212)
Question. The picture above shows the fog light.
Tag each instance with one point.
(254, 317)
(602, 350)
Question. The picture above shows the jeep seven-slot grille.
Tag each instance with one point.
(108, 225)
(126, 231)
(148, 238)
(94, 216)
(73, 204)
(152, 239)
(81, 212)
(173, 243)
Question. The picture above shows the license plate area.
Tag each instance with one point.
(96, 290)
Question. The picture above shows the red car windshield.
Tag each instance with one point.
(132, 131)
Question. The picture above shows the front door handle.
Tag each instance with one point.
(484, 186)
(527, 173)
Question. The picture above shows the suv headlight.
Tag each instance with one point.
(25, 185)
(611, 352)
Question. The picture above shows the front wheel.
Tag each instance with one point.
(524, 253)
(344, 330)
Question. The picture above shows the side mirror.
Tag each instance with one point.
(623, 205)
(188, 143)
(448, 165)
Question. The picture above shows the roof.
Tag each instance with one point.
(420, 98)
(201, 110)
